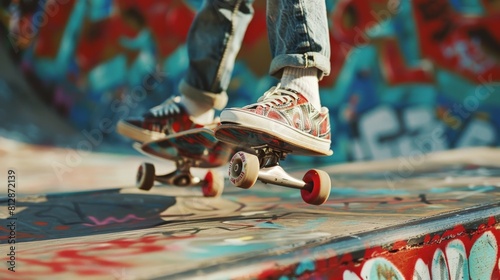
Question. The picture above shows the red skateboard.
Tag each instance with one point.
(193, 148)
(260, 157)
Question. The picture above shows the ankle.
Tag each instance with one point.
(201, 114)
(305, 81)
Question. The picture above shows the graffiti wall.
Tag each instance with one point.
(406, 76)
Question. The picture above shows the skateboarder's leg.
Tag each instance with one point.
(214, 40)
(298, 34)
(300, 45)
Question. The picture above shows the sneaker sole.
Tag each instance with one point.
(276, 129)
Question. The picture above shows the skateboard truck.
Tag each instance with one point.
(246, 168)
(194, 148)
(212, 185)
(271, 172)
(181, 176)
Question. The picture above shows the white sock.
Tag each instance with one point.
(199, 114)
(305, 81)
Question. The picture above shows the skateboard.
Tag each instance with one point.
(259, 159)
(196, 148)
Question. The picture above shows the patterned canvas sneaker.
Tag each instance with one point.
(289, 115)
(165, 119)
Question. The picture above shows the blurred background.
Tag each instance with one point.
(408, 77)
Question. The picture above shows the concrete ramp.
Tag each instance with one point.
(439, 219)
(23, 114)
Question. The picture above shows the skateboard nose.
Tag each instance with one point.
(137, 123)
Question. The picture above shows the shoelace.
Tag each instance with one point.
(169, 107)
(276, 96)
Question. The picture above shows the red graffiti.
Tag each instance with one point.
(405, 259)
(351, 20)
(100, 40)
(464, 44)
(87, 259)
(467, 45)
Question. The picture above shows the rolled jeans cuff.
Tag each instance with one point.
(310, 59)
(204, 98)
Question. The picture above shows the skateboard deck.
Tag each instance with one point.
(198, 144)
(248, 136)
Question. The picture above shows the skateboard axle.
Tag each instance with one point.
(181, 176)
(277, 175)
(178, 178)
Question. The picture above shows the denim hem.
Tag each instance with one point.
(310, 59)
(211, 100)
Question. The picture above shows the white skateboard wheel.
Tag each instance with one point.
(145, 176)
(243, 170)
(213, 184)
(319, 187)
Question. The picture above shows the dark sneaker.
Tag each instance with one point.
(163, 120)
(289, 115)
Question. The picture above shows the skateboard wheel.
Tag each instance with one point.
(213, 184)
(243, 170)
(319, 186)
(145, 176)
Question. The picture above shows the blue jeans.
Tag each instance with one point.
(298, 35)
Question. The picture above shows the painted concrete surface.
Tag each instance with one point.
(381, 223)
